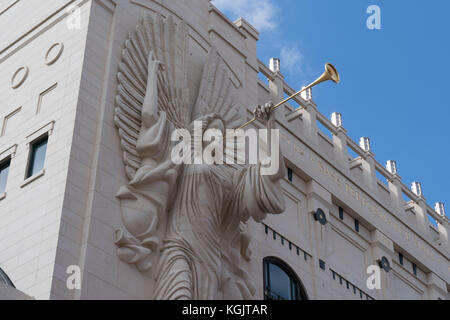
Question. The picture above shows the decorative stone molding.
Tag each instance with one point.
(19, 77)
(42, 96)
(46, 129)
(33, 178)
(6, 5)
(7, 119)
(54, 53)
(8, 153)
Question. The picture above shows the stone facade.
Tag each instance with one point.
(59, 78)
(8, 293)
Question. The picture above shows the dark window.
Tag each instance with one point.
(322, 264)
(400, 258)
(5, 279)
(290, 174)
(280, 282)
(356, 225)
(37, 157)
(4, 170)
(341, 213)
(414, 269)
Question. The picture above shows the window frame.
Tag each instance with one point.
(300, 291)
(32, 156)
(341, 213)
(7, 155)
(357, 225)
(43, 132)
(290, 175)
(5, 163)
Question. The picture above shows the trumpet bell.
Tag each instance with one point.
(332, 73)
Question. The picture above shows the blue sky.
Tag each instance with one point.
(395, 81)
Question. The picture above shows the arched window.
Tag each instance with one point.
(280, 282)
(5, 279)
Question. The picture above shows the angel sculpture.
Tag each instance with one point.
(198, 210)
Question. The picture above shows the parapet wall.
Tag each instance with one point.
(322, 147)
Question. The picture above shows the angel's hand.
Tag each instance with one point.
(150, 61)
(265, 114)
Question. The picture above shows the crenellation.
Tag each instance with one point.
(440, 209)
(307, 94)
(416, 187)
(391, 166)
(364, 145)
(275, 65)
(336, 119)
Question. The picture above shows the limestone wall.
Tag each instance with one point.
(41, 99)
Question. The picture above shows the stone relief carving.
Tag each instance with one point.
(54, 53)
(195, 215)
(19, 77)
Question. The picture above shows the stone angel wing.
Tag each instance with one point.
(218, 95)
(168, 43)
(144, 92)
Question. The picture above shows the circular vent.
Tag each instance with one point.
(384, 264)
(320, 216)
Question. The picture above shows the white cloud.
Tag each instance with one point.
(262, 14)
(291, 59)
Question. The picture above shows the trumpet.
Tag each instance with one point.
(330, 74)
